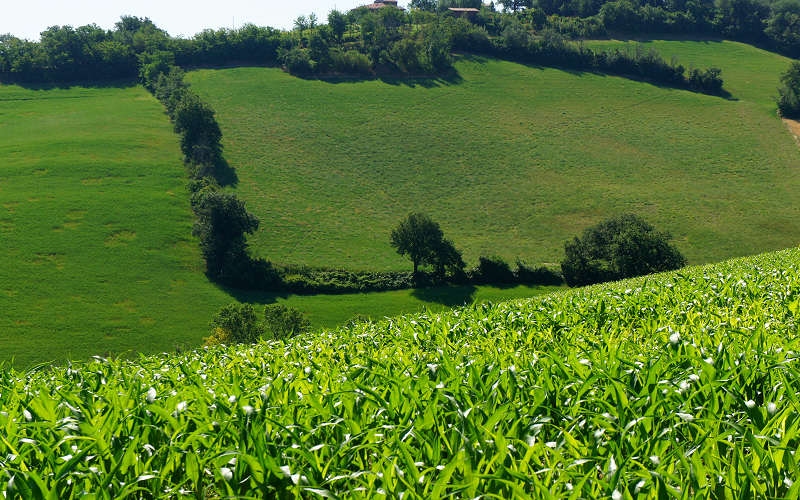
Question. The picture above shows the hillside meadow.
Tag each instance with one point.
(95, 233)
(510, 159)
(680, 385)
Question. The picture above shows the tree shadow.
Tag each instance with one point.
(451, 296)
(413, 81)
(225, 174)
(122, 83)
(253, 296)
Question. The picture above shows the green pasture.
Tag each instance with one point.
(95, 228)
(510, 159)
(95, 234)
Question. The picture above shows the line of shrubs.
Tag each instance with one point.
(518, 43)
(488, 271)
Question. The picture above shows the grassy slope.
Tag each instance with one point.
(511, 160)
(95, 233)
(677, 385)
(95, 227)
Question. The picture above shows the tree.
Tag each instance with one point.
(338, 24)
(417, 236)
(235, 323)
(789, 94)
(516, 5)
(621, 247)
(200, 133)
(426, 5)
(222, 223)
(447, 259)
(284, 321)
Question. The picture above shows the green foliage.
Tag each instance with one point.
(236, 323)
(674, 385)
(337, 22)
(154, 64)
(283, 322)
(620, 247)
(789, 94)
(222, 223)
(422, 240)
(493, 270)
(200, 134)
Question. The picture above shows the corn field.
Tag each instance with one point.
(682, 385)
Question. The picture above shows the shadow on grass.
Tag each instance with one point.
(450, 296)
(413, 81)
(225, 174)
(89, 84)
(254, 296)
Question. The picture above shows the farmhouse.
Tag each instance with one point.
(379, 4)
(467, 13)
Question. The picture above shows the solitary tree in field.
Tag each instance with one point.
(422, 240)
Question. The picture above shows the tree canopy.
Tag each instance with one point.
(618, 248)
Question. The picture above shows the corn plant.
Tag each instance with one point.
(681, 385)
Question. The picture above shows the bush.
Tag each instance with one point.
(222, 223)
(789, 95)
(283, 321)
(235, 323)
(350, 62)
(491, 270)
(621, 247)
(537, 275)
(298, 62)
(707, 81)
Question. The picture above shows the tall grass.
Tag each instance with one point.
(682, 385)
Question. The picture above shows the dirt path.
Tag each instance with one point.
(794, 128)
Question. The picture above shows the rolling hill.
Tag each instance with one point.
(510, 159)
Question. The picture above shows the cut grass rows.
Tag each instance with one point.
(681, 385)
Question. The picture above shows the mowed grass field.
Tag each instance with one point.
(510, 159)
(95, 228)
(95, 234)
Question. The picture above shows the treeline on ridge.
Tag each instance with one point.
(362, 43)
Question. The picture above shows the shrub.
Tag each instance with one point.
(350, 62)
(222, 223)
(621, 247)
(492, 270)
(789, 95)
(537, 275)
(235, 323)
(200, 133)
(282, 322)
(298, 62)
(707, 81)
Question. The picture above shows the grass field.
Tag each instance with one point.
(95, 228)
(512, 160)
(681, 385)
(95, 233)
